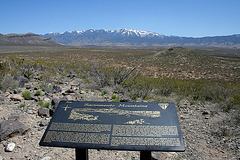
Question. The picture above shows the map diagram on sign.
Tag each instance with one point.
(85, 113)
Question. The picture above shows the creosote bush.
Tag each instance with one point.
(8, 83)
(128, 82)
(27, 95)
(38, 93)
(42, 104)
(22, 105)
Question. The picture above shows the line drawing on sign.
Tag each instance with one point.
(80, 113)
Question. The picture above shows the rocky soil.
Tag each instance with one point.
(208, 132)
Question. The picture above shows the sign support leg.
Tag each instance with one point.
(145, 155)
(81, 154)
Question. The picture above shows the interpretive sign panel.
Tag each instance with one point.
(115, 125)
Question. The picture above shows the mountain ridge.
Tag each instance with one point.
(132, 37)
(25, 39)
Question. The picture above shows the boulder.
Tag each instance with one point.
(49, 90)
(42, 111)
(10, 128)
(57, 89)
(22, 81)
(1, 98)
(17, 97)
(17, 116)
(55, 102)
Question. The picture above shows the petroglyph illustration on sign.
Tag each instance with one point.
(137, 121)
(80, 113)
(88, 117)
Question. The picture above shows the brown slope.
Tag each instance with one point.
(25, 39)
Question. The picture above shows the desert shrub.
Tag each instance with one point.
(27, 95)
(46, 105)
(42, 87)
(27, 69)
(42, 104)
(8, 83)
(116, 100)
(120, 74)
(114, 96)
(4, 69)
(22, 105)
(37, 93)
(140, 87)
(235, 98)
(104, 92)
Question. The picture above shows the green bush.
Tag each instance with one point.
(114, 96)
(38, 93)
(103, 93)
(22, 105)
(42, 104)
(46, 105)
(42, 87)
(116, 100)
(27, 95)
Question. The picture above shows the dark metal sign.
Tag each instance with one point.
(115, 125)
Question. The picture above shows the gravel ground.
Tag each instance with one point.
(208, 132)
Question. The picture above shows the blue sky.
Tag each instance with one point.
(189, 18)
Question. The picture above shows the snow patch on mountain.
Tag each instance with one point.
(122, 31)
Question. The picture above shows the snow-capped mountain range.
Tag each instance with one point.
(132, 37)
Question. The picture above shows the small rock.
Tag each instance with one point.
(28, 86)
(17, 97)
(43, 122)
(70, 98)
(16, 91)
(36, 88)
(10, 147)
(35, 98)
(49, 90)
(71, 75)
(69, 91)
(42, 111)
(82, 92)
(40, 128)
(1, 100)
(206, 112)
(29, 111)
(207, 117)
(47, 100)
(125, 100)
(46, 158)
